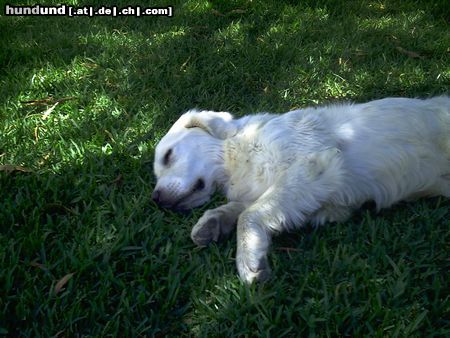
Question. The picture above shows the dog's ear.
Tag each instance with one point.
(218, 124)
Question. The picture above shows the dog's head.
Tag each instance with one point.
(188, 159)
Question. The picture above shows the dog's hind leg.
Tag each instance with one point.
(216, 224)
(443, 188)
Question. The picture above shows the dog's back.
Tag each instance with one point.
(392, 149)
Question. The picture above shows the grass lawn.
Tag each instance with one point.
(83, 101)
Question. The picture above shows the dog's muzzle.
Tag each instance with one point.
(164, 200)
(159, 198)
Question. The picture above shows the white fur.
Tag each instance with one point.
(308, 165)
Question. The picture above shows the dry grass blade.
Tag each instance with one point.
(216, 12)
(238, 11)
(183, 66)
(63, 281)
(41, 102)
(8, 168)
(118, 180)
(234, 11)
(47, 101)
(410, 53)
(38, 265)
(47, 113)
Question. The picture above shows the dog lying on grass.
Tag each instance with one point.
(316, 165)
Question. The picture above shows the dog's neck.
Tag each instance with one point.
(225, 150)
(216, 152)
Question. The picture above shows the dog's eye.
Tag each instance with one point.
(166, 157)
(199, 185)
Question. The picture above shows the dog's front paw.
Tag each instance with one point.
(206, 230)
(252, 269)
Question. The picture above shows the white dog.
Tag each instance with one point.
(309, 165)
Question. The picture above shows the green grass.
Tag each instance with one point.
(84, 210)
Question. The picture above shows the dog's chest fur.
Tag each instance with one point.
(253, 162)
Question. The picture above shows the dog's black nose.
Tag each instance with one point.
(156, 196)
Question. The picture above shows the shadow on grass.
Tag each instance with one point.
(128, 262)
(235, 56)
